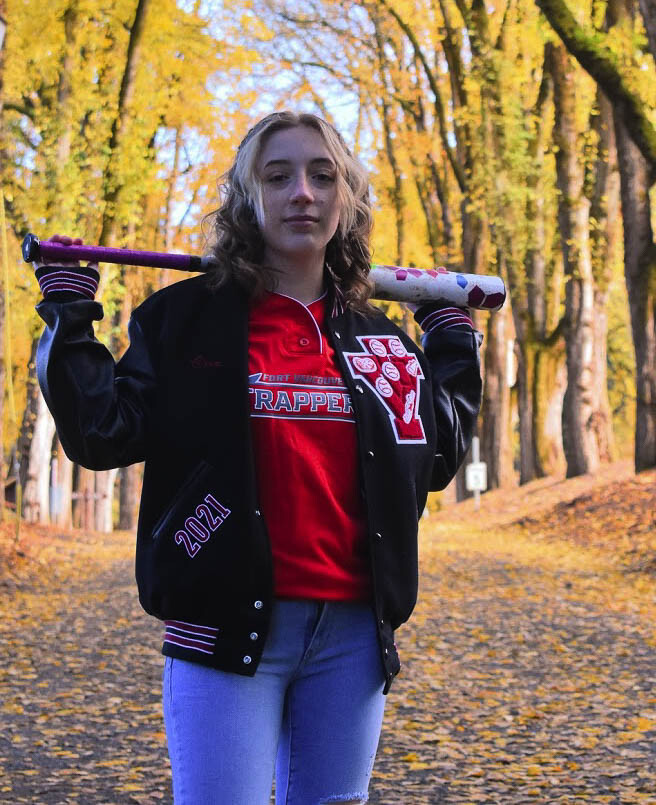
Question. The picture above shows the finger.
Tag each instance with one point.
(65, 240)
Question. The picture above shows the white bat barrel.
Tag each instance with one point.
(397, 284)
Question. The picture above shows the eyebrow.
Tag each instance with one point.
(315, 161)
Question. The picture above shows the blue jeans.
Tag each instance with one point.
(312, 713)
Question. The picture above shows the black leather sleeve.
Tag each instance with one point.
(100, 407)
(457, 387)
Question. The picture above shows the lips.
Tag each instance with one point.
(301, 219)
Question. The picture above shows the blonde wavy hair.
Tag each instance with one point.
(235, 239)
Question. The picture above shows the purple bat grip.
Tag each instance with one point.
(33, 249)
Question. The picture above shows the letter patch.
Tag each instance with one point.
(299, 397)
(393, 374)
(199, 527)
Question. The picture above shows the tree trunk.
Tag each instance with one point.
(541, 381)
(495, 436)
(604, 239)
(549, 384)
(104, 499)
(639, 270)
(36, 495)
(602, 420)
(3, 313)
(536, 312)
(29, 415)
(128, 494)
(62, 484)
(474, 240)
(579, 437)
(83, 507)
(3, 474)
(526, 353)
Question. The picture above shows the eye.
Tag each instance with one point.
(276, 178)
(325, 178)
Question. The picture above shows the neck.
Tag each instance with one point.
(304, 282)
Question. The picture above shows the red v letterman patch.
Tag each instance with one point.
(393, 374)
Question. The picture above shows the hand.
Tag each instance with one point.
(66, 277)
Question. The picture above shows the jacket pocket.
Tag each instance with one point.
(195, 513)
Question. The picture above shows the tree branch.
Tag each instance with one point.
(437, 97)
(590, 49)
(648, 11)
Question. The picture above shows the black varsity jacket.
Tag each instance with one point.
(178, 400)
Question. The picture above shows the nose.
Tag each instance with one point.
(301, 189)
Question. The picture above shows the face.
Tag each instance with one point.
(299, 194)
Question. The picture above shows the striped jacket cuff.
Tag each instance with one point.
(55, 279)
(191, 636)
(435, 317)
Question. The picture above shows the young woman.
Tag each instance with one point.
(291, 433)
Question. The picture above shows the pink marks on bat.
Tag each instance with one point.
(479, 299)
(495, 300)
(402, 274)
(475, 296)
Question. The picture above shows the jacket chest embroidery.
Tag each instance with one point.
(200, 526)
(393, 374)
(201, 362)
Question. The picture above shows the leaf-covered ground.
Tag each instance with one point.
(528, 666)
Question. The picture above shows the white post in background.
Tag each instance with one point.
(476, 473)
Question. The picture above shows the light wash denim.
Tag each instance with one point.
(312, 714)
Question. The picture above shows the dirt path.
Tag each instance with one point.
(528, 677)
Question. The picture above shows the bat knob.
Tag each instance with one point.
(30, 248)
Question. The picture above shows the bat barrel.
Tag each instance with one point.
(416, 285)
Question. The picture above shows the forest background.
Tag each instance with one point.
(513, 137)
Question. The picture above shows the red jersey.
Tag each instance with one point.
(306, 454)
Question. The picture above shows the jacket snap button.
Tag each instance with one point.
(386, 652)
(378, 535)
(258, 512)
(370, 453)
(359, 388)
(254, 635)
(337, 335)
(247, 660)
(258, 605)
(304, 341)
